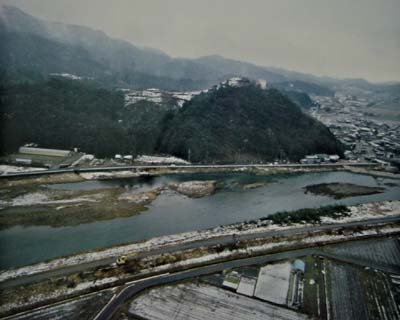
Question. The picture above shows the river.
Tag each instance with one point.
(172, 213)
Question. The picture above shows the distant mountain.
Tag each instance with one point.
(302, 99)
(245, 123)
(30, 44)
(302, 86)
(66, 48)
(34, 53)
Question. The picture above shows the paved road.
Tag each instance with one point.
(134, 288)
(205, 166)
(223, 240)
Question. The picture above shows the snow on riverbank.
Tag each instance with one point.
(99, 175)
(36, 198)
(160, 160)
(368, 211)
(5, 169)
(357, 213)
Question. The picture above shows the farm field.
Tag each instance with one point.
(202, 301)
(382, 251)
(274, 276)
(82, 308)
(356, 293)
(314, 300)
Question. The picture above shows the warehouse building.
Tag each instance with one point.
(45, 152)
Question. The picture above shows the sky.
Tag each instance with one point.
(339, 38)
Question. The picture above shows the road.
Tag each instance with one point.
(136, 287)
(218, 240)
(205, 166)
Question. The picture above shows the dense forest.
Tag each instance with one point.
(227, 124)
(239, 124)
(68, 114)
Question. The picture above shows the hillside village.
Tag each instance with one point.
(365, 138)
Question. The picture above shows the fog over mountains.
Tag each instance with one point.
(51, 47)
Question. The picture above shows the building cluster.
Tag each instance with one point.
(365, 138)
(277, 283)
(320, 159)
(30, 155)
(178, 98)
(158, 96)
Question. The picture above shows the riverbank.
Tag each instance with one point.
(53, 289)
(94, 214)
(355, 213)
(80, 174)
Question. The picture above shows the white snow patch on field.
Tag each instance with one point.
(201, 301)
(273, 282)
(6, 169)
(246, 286)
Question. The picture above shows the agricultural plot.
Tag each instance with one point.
(231, 280)
(314, 299)
(356, 293)
(246, 286)
(273, 282)
(202, 301)
(83, 309)
(346, 293)
(384, 251)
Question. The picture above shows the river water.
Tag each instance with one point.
(172, 213)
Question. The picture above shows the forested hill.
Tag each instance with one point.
(238, 124)
(233, 124)
(61, 114)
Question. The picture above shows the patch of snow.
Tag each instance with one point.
(111, 174)
(6, 169)
(246, 286)
(273, 282)
(160, 160)
(67, 75)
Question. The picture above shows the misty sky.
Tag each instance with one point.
(341, 38)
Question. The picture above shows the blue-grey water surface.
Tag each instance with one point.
(172, 213)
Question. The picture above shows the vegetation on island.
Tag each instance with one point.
(309, 215)
(342, 190)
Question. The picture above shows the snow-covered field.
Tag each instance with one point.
(201, 301)
(273, 282)
(246, 286)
